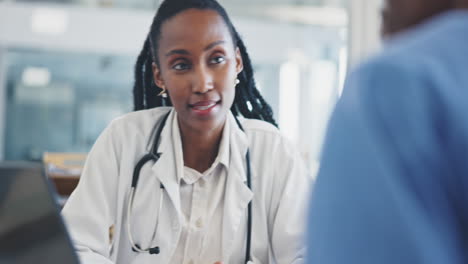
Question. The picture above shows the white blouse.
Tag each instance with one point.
(202, 204)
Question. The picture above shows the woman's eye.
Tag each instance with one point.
(218, 60)
(181, 66)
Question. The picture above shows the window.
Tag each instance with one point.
(61, 102)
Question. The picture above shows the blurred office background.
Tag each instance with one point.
(66, 66)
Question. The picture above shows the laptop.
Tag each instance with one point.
(31, 227)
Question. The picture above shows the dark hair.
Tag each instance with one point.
(247, 101)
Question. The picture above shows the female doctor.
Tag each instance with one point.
(192, 182)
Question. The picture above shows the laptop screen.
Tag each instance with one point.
(31, 228)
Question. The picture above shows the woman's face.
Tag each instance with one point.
(198, 65)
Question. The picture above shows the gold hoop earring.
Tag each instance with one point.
(163, 93)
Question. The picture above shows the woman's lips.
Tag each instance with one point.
(204, 107)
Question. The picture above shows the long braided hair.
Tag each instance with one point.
(248, 101)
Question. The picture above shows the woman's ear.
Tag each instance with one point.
(239, 62)
(157, 76)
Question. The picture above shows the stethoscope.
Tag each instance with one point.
(154, 156)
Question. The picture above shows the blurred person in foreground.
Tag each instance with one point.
(393, 183)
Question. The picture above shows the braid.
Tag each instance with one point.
(248, 101)
(138, 98)
(151, 97)
(145, 90)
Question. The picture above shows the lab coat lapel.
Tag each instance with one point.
(165, 169)
(237, 194)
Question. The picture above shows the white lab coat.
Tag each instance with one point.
(279, 195)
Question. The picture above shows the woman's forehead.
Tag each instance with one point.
(193, 27)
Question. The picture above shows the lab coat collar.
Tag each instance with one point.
(177, 147)
(232, 135)
(237, 194)
(222, 157)
(165, 169)
(238, 144)
(224, 150)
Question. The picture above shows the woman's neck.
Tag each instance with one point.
(200, 148)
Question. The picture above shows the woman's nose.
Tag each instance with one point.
(203, 80)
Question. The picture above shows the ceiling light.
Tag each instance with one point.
(50, 21)
(36, 76)
(322, 16)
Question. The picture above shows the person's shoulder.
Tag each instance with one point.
(382, 74)
(259, 126)
(403, 54)
(435, 41)
(410, 56)
(383, 86)
(140, 116)
(262, 133)
(415, 58)
(138, 121)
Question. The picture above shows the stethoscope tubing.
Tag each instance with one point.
(154, 156)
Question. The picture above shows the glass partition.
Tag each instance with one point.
(61, 102)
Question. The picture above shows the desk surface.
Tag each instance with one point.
(64, 183)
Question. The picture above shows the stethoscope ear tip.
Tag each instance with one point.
(154, 250)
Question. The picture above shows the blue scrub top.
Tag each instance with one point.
(393, 183)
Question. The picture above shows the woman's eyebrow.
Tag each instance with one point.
(185, 52)
(214, 44)
(177, 51)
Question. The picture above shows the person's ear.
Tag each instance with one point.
(157, 76)
(239, 62)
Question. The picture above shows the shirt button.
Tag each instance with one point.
(201, 183)
(199, 223)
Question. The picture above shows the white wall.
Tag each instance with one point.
(364, 26)
(83, 32)
(126, 30)
(2, 101)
